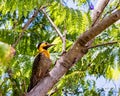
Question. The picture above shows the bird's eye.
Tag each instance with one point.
(46, 43)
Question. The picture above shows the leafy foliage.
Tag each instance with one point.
(100, 61)
(74, 21)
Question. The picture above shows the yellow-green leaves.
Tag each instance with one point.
(21, 6)
(113, 73)
(73, 20)
(58, 46)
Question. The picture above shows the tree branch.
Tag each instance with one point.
(53, 25)
(101, 4)
(26, 26)
(63, 37)
(104, 44)
(64, 41)
(67, 60)
(112, 9)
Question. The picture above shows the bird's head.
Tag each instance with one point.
(44, 46)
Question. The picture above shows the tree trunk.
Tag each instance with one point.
(77, 51)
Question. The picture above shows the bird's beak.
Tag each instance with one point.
(49, 45)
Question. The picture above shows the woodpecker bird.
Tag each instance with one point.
(41, 64)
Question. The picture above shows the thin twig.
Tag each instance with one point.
(62, 36)
(104, 44)
(52, 23)
(18, 39)
(64, 41)
(25, 27)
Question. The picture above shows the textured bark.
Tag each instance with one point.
(76, 52)
(101, 4)
(99, 8)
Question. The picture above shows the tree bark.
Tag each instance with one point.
(101, 4)
(96, 14)
(77, 51)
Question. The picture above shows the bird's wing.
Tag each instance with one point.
(40, 68)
